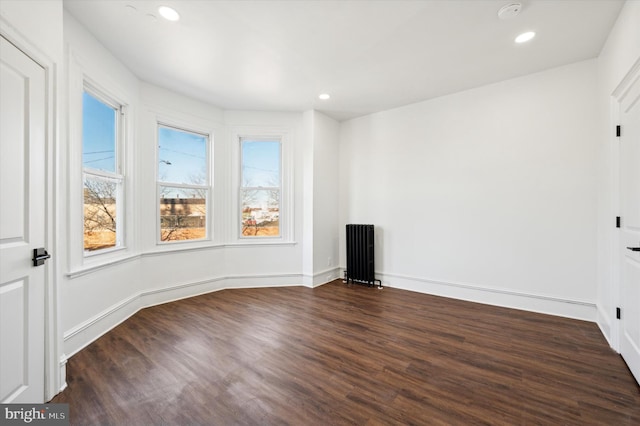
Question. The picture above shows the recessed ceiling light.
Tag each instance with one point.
(324, 96)
(524, 37)
(168, 13)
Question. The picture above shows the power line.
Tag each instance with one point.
(183, 153)
(97, 152)
(99, 159)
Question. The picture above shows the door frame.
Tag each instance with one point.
(618, 94)
(54, 359)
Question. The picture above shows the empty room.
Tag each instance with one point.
(315, 212)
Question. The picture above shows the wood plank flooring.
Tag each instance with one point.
(343, 354)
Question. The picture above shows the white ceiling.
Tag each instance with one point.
(369, 55)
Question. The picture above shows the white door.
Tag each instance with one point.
(22, 226)
(630, 226)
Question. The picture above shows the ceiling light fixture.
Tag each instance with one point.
(324, 96)
(168, 13)
(524, 37)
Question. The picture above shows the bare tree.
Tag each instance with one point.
(199, 193)
(99, 209)
(170, 227)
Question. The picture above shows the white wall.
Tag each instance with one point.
(306, 164)
(485, 195)
(320, 206)
(618, 56)
(325, 198)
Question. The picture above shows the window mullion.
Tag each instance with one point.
(182, 185)
(101, 174)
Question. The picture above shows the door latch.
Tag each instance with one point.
(40, 256)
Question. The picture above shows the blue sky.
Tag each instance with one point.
(182, 156)
(98, 134)
(260, 163)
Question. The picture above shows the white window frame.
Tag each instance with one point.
(242, 189)
(207, 187)
(287, 214)
(82, 73)
(117, 177)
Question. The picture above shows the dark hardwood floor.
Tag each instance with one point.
(343, 354)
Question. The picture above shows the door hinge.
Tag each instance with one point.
(618, 131)
(617, 221)
(618, 313)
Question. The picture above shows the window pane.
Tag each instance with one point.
(183, 214)
(99, 213)
(182, 157)
(260, 163)
(98, 134)
(260, 212)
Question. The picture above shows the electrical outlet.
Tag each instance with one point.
(329, 261)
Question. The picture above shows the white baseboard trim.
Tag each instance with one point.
(78, 337)
(322, 277)
(575, 309)
(62, 372)
(259, 281)
(604, 323)
(85, 333)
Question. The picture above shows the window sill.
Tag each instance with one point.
(254, 243)
(90, 268)
(107, 252)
